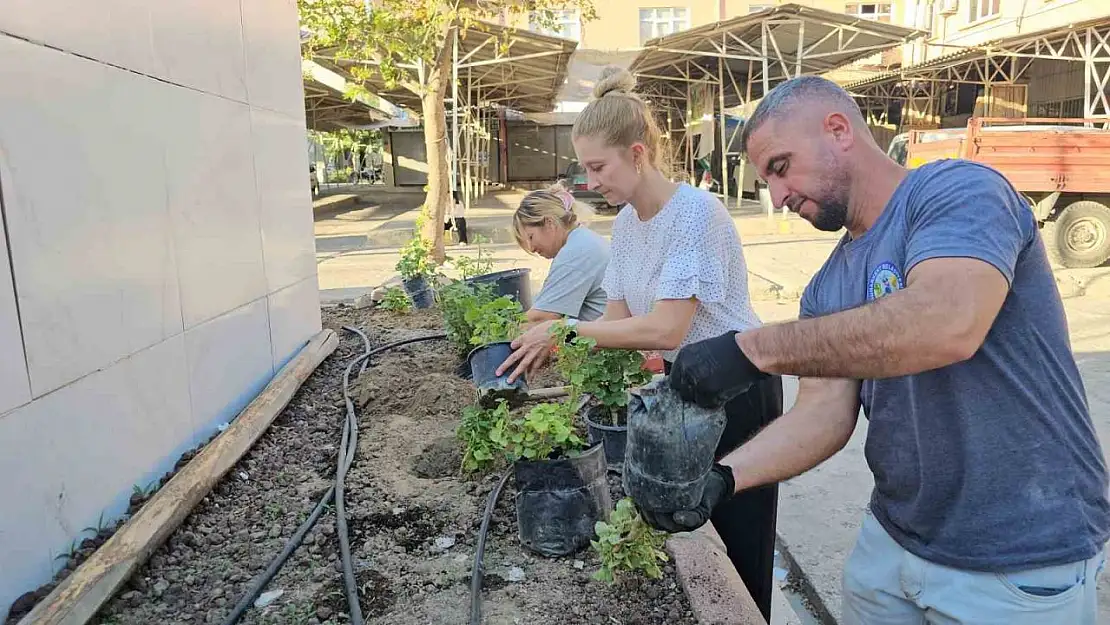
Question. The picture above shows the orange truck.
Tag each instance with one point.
(1063, 170)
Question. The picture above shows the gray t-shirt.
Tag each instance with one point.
(573, 284)
(993, 463)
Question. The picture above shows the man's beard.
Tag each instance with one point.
(831, 215)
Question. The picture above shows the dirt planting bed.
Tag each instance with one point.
(413, 520)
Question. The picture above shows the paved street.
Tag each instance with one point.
(819, 512)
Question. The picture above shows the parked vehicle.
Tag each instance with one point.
(574, 180)
(1063, 171)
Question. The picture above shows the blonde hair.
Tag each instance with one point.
(620, 118)
(554, 203)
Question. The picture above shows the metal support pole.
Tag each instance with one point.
(765, 32)
(467, 179)
(689, 133)
(724, 125)
(801, 49)
(454, 169)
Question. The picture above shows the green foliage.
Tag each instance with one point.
(454, 300)
(545, 430)
(471, 266)
(605, 374)
(479, 451)
(416, 259)
(628, 543)
(395, 300)
(494, 321)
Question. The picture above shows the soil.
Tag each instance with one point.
(413, 521)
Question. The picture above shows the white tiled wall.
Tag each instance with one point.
(151, 177)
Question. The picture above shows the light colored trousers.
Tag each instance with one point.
(886, 585)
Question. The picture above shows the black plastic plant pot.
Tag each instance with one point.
(516, 283)
(483, 362)
(418, 292)
(670, 449)
(612, 437)
(559, 501)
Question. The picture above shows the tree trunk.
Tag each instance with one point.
(435, 143)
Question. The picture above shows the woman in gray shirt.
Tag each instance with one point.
(547, 223)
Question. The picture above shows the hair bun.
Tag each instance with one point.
(614, 80)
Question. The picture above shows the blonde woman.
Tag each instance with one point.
(676, 275)
(547, 223)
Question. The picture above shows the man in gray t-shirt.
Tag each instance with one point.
(573, 284)
(939, 315)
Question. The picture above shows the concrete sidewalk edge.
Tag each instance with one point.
(716, 593)
(804, 585)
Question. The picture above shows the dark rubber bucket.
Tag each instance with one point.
(612, 437)
(559, 501)
(419, 293)
(516, 283)
(484, 362)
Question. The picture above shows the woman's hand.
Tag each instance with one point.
(531, 350)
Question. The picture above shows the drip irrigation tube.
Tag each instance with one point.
(479, 571)
(347, 448)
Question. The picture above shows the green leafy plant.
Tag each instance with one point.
(479, 450)
(416, 260)
(494, 321)
(395, 300)
(627, 543)
(603, 374)
(546, 431)
(454, 300)
(471, 266)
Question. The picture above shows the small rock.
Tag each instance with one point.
(398, 511)
(327, 530)
(578, 564)
(364, 301)
(160, 587)
(443, 543)
(243, 476)
(323, 613)
(219, 592)
(275, 531)
(516, 574)
(673, 616)
(652, 592)
(258, 536)
(321, 539)
(135, 598)
(215, 538)
(190, 580)
(267, 598)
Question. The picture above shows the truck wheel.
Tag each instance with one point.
(1079, 237)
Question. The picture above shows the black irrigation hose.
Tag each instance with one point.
(479, 570)
(343, 463)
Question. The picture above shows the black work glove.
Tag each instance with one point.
(711, 372)
(719, 486)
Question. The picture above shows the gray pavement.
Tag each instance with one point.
(819, 512)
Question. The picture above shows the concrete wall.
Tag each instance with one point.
(159, 231)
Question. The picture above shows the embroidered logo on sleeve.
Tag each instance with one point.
(885, 279)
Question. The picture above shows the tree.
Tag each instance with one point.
(408, 43)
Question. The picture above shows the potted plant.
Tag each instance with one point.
(454, 300)
(561, 488)
(627, 543)
(416, 265)
(478, 270)
(479, 451)
(395, 300)
(601, 378)
(495, 324)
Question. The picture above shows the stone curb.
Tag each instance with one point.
(334, 202)
(716, 593)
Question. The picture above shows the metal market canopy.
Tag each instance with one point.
(327, 108)
(757, 51)
(503, 66)
(1006, 60)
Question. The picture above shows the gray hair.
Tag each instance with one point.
(787, 95)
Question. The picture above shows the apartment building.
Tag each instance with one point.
(628, 24)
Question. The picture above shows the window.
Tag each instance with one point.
(756, 8)
(879, 12)
(981, 9)
(567, 25)
(662, 21)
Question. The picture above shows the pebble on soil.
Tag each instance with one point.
(413, 520)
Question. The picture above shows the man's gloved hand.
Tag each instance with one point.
(719, 486)
(711, 372)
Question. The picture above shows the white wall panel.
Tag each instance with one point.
(230, 361)
(76, 453)
(85, 201)
(285, 202)
(113, 31)
(272, 40)
(15, 386)
(214, 205)
(294, 319)
(199, 43)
